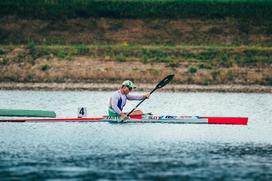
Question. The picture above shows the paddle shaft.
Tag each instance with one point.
(161, 84)
(141, 102)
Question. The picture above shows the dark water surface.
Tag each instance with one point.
(104, 151)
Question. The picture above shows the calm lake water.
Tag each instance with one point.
(104, 151)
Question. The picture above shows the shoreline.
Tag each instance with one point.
(141, 87)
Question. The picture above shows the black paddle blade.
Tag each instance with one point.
(165, 81)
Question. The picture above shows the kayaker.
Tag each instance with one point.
(119, 98)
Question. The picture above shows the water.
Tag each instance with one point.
(93, 151)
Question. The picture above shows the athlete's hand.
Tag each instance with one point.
(123, 116)
(147, 95)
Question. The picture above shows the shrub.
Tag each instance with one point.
(5, 61)
(208, 54)
(45, 67)
(62, 54)
(173, 63)
(215, 74)
(205, 82)
(244, 27)
(201, 66)
(82, 49)
(154, 72)
(31, 45)
(1, 51)
(120, 57)
(215, 31)
(20, 57)
(268, 80)
(204, 66)
(192, 70)
(230, 75)
(145, 59)
(225, 60)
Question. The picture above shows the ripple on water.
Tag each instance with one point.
(37, 151)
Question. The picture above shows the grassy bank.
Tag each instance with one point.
(203, 65)
(229, 31)
(206, 42)
(212, 56)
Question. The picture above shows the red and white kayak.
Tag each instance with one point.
(142, 119)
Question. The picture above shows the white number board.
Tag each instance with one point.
(82, 112)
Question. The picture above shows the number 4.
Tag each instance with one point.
(82, 112)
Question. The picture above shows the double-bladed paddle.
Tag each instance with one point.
(161, 84)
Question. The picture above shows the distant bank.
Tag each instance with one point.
(201, 65)
(203, 42)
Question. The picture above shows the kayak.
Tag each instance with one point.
(145, 118)
(142, 119)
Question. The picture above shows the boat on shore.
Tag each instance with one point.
(26, 113)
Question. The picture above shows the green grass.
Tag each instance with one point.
(205, 65)
(205, 57)
(137, 8)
